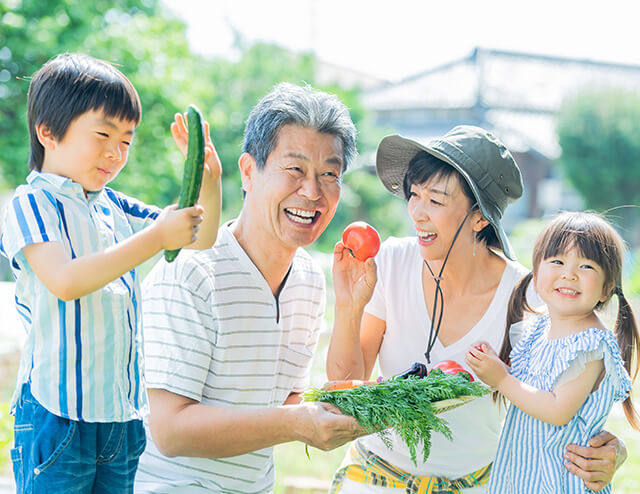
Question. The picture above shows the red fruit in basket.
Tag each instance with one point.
(452, 367)
(362, 240)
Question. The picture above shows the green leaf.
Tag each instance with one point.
(402, 405)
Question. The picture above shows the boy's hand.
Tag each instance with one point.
(484, 361)
(212, 166)
(178, 228)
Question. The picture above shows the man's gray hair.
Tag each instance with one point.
(303, 106)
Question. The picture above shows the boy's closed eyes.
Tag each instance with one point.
(93, 151)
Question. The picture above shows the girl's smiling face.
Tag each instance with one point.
(570, 284)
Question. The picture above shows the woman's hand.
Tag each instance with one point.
(486, 364)
(595, 464)
(353, 280)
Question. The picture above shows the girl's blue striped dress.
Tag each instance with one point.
(530, 452)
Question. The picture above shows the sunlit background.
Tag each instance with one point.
(558, 82)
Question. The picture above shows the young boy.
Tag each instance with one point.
(74, 245)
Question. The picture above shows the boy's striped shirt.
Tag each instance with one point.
(82, 357)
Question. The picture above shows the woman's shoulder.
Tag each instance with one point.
(397, 257)
(394, 247)
(514, 270)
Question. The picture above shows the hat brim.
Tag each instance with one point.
(392, 162)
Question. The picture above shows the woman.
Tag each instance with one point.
(458, 272)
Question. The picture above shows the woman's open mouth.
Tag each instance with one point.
(426, 238)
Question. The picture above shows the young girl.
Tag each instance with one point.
(567, 370)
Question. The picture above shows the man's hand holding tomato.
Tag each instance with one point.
(354, 278)
(486, 364)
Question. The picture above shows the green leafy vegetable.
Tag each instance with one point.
(403, 405)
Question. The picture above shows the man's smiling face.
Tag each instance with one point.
(297, 191)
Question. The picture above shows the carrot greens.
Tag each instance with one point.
(402, 405)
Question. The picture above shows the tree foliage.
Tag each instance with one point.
(599, 133)
(149, 45)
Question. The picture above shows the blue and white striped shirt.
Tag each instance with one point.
(83, 358)
(530, 452)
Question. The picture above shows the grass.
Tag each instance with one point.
(627, 478)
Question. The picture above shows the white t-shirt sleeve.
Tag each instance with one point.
(178, 326)
(377, 305)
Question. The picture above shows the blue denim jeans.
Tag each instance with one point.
(56, 455)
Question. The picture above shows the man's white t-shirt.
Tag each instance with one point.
(215, 333)
(398, 299)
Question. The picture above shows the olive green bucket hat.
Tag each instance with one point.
(484, 162)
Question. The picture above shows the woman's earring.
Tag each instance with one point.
(474, 244)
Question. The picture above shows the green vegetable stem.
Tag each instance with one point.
(403, 405)
(193, 167)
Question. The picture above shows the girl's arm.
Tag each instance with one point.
(356, 336)
(69, 279)
(556, 407)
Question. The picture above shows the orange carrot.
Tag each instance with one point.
(352, 383)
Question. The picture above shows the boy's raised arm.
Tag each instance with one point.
(69, 279)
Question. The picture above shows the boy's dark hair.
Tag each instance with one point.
(424, 166)
(68, 86)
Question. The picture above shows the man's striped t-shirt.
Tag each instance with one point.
(215, 333)
(83, 357)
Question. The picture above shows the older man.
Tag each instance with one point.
(230, 332)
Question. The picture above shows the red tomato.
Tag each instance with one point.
(362, 240)
(452, 367)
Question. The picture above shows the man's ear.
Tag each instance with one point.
(46, 137)
(247, 165)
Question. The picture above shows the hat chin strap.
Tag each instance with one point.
(433, 334)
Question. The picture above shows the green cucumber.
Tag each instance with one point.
(193, 167)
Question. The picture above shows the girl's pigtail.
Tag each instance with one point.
(626, 330)
(515, 313)
(517, 306)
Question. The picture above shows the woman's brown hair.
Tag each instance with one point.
(596, 240)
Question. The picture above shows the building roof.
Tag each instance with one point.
(517, 94)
